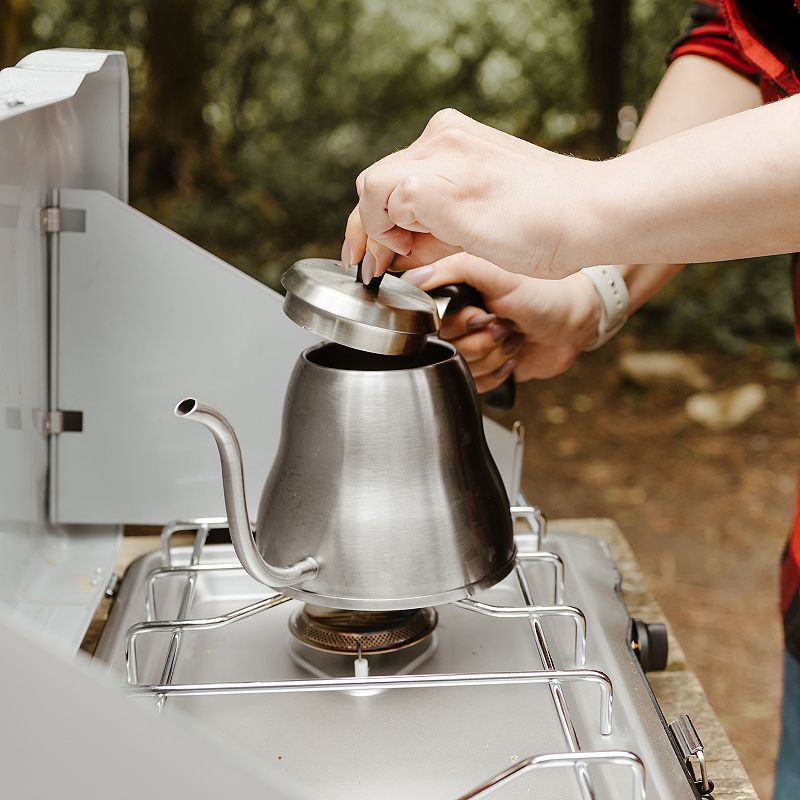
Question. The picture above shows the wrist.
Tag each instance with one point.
(585, 311)
(585, 232)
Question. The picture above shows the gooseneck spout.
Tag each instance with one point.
(230, 455)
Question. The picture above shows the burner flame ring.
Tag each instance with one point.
(361, 632)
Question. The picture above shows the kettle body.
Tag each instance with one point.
(384, 478)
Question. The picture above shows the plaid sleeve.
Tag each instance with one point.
(707, 34)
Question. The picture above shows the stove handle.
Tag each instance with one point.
(650, 644)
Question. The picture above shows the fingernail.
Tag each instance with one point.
(512, 343)
(500, 330)
(479, 321)
(346, 262)
(368, 267)
(505, 370)
(418, 276)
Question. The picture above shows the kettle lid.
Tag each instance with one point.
(325, 297)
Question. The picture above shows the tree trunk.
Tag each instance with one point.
(608, 30)
(172, 138)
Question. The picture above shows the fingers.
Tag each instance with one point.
(492, 347)
(488, 345)
(469, 319)
(357, 246)
(374, 186)
(377, 260)
(388, 190)
(406, 199)
(487, 350)
(425, 249)
(497, 378)
(413, 190)
(399, 198)
(355, 240)
(424, 202)
(490, 280)
(445, 184)
(496, 357)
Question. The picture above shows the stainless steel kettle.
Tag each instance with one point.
(383, 493)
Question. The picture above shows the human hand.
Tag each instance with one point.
(425, 249)
(534, 328)
(470, 187)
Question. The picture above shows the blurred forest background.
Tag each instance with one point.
(250, 120)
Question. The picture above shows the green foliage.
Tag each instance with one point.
(298, 97)
(654, 25)
(733, 306)
(301, 96)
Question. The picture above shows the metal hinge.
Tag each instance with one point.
(690, 746)
(58, 421)
(53, 219)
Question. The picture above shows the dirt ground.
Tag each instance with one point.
(706, 513)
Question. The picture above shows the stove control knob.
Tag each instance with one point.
(650, 644)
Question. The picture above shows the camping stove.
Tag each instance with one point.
(530, 687)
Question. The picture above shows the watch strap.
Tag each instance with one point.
(613, 294)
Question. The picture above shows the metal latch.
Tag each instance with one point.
(54, 219)
(58, 421)
(112, 586)
(690, 745)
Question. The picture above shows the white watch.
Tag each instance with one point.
(613, 294)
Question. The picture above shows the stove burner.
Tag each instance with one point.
(340, 631)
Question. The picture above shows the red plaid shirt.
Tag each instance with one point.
(759, 39)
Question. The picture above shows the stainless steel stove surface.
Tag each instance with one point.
(505, 696)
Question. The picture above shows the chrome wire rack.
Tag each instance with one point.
(554, 678)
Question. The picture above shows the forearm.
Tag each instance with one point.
(726, 190)
(646, 280)
(693, 91)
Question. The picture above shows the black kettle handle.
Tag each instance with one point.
(501, 397)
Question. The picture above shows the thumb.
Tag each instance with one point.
(489, 279)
